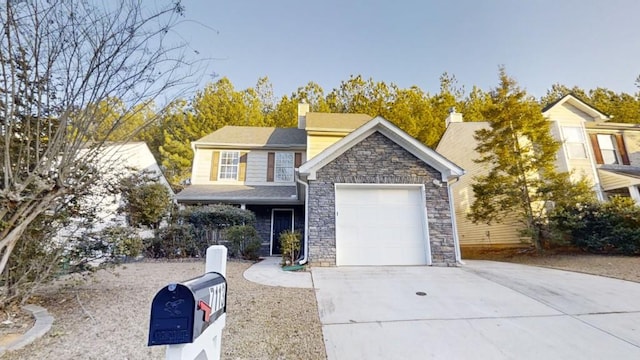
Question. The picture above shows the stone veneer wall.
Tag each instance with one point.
(376, 159)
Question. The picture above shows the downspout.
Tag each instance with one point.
(304, 258)
(452, 210)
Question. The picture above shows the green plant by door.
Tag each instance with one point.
(290, 246)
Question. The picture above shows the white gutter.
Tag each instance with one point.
(452, 210)
(305, 258)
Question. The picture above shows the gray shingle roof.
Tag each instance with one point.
(238, 194)
(632, 171)
(250, 136)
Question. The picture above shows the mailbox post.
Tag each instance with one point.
(189, 316)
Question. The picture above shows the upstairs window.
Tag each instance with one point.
(281, 165)
(575, 142)
(229, 163)
(284, 167)
(608, 149)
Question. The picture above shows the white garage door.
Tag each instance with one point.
(380, 225)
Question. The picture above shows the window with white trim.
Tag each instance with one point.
(575, 142)
(608, 149)
(229, 163)
(283, 167)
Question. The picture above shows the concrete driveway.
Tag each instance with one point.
(483, 310)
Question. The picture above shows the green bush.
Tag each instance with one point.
(174, 241)
(612, 227)
(145, 201)
(209, 222)
(244, 241)
(123, 241)
(290, 245)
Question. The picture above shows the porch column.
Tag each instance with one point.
(635, 194)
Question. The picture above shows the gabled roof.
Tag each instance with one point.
(445, 167)
(316, 121)
(579, 104)
(253, 136)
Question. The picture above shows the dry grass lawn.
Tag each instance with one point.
(108, 317)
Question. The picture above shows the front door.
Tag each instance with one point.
(281, 220)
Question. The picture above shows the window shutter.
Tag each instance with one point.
(297, 160)
(596, 148)
(271, 163)
(622, 149)
(242, 171)
(215, 159)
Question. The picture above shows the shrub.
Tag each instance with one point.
(290, 245)
(612, 227)
(210, 221)
(174, 241)
(244, 241)
(145, 200)
(123, 241)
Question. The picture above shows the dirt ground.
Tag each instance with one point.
(619, 267)
(108, 317)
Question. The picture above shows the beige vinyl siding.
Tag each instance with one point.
(506, 233)
(569, 116)
(632, 142)
(256, 167)
(567, 112)
(318, 142)
(202, 163)
(458, 146)
(201, 167)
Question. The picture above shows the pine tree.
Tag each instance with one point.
(519, 152)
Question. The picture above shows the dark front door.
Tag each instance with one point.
(282, 220)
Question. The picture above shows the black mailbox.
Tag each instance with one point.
(181, 312)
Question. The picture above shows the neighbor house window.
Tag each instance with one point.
(229, 163)
(284, 167)
(575, 142)
(608, 149)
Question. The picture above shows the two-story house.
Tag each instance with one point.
(592, 148)
(361, 190)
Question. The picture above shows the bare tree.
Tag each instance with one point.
(59, 59)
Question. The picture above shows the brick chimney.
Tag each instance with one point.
(303, 109)
(454, 117)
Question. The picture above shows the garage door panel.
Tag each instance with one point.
(380, 226)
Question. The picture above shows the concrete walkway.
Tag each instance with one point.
(269, 272)
(483, 310)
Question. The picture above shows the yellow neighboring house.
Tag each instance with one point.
(605, 153)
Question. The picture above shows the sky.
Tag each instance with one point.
(584, 43)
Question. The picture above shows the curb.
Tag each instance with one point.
(42, 325)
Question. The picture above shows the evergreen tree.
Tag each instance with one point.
(519, 152)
